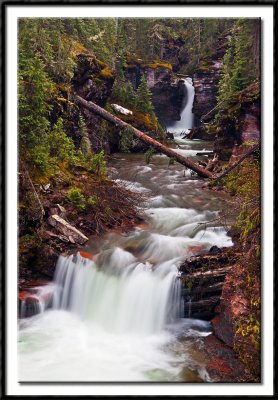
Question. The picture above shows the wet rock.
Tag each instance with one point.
(202, 279)
(224, 365)
(170, 135)
(233, 319)
(215, 250)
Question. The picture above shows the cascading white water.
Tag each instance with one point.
(187, 117)
(120, 295)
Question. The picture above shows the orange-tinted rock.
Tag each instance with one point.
(196, 249)
(23, 295)
(86, 254)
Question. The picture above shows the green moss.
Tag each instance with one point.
(204, 68)
(188, 283)
(106, 73)
(158, 64)
(100, 63)
(132, 61)
(141, 120)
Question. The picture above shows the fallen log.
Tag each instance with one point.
(145, 138)
(203, 290)
(216, 273)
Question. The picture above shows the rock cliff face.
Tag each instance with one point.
(167, 100)
(206, 79)
(249, 120)
(232, 313)
(167, 91)
(240, 126)
(173, 52)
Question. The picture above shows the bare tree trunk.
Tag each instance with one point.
(145, 138)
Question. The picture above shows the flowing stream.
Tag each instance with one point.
(119, 316)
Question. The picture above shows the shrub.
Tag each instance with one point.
(76, 197)
(98, 163)
(92, 200)
(126, 139)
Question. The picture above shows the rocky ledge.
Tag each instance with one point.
(216, 287)
(206, 79)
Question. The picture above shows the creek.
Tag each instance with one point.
(120, 316)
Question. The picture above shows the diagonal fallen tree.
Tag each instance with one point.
(145, 138)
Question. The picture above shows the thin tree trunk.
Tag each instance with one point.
(232, 167)
(145, 138)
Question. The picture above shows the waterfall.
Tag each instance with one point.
(187, 117)
(119, 294)
(189, 307)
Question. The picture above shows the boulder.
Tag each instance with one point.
(67, 230)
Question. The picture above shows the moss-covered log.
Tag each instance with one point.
(145, 138)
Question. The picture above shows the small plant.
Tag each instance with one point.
(98, 163)
(92, 200)
(171, 161)
(148, 155)
(76, 197)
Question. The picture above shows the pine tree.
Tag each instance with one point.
(144, 95)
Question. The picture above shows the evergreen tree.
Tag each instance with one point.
(239, 64)
(144, 95)
(244, 68)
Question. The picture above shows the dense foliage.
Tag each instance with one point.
(48, 50)
(240, 64)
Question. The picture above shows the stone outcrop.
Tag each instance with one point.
(167, 91)
(92, 80)
(206, 79)
(234, 323)
(215, 288)
(224, 365)
(240, 125)
(168, 99)
(249, 120)
(202, 278)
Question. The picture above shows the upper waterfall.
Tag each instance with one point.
(187, 117)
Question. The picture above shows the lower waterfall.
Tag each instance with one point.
(121, 295)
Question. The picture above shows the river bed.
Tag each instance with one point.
(120, 316)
